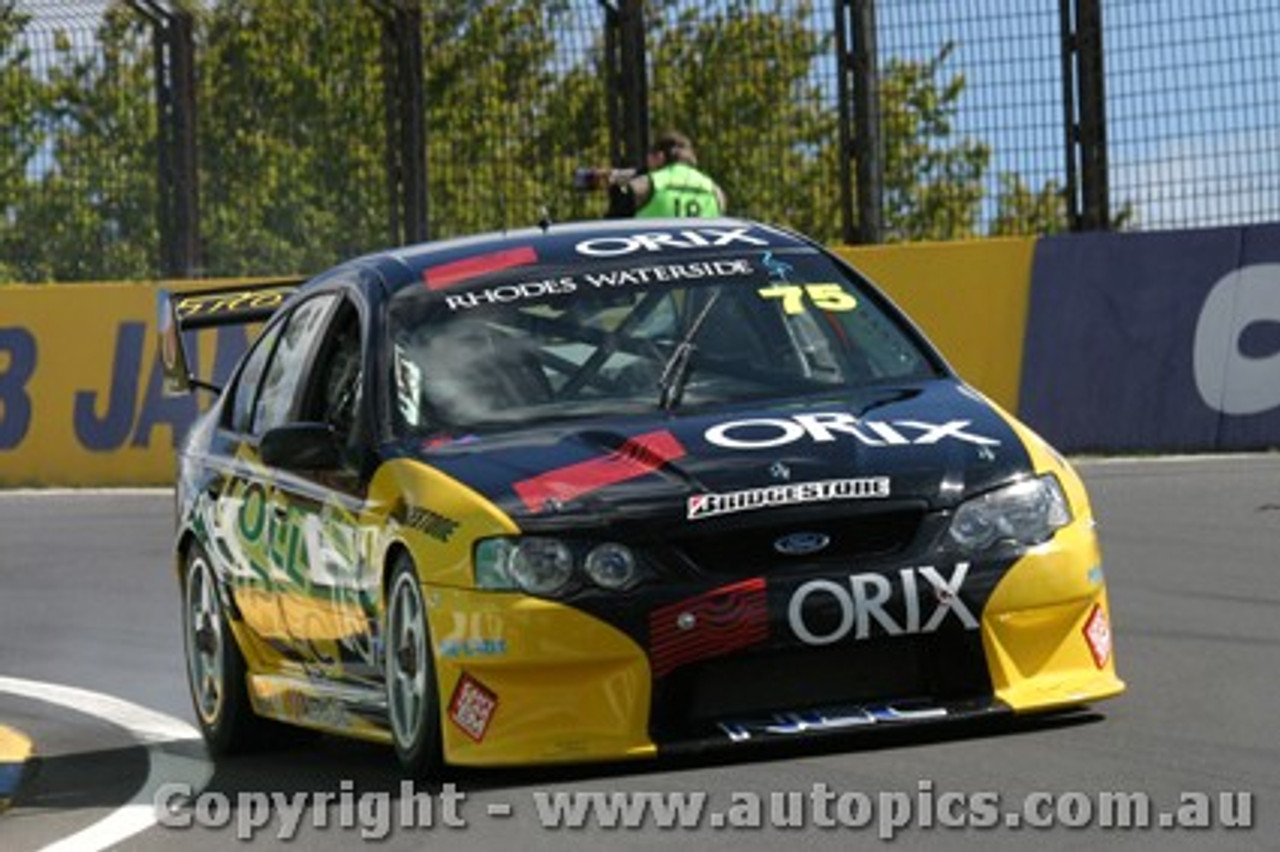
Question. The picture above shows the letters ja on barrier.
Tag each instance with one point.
(80, 385)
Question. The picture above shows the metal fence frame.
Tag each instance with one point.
(625, 26)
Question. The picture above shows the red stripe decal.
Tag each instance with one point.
(709, 625)
(637, 457)
(448, 274)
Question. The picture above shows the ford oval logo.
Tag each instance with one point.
(801, 543)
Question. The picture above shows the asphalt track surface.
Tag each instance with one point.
(1191, 546)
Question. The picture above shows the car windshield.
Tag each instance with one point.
(609, 338)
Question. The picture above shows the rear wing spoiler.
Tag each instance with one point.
(177, 312)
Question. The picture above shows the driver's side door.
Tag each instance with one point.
(310, 429)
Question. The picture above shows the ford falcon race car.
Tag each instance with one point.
(600, 491)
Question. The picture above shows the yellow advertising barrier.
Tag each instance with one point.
(970, 298)
(80, 384)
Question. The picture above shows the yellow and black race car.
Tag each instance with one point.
(599, 491)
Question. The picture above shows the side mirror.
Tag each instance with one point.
(301, 446)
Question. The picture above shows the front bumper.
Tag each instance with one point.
(530, 681)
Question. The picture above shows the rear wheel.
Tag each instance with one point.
(215, 666)
(413, 710)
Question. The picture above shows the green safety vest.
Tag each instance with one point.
(680, 190)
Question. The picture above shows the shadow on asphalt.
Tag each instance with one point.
(329, 762)
(112, 777)
(92, 779)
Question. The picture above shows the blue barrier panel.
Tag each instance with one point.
(1161, 342)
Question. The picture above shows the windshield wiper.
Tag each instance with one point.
(675, 373)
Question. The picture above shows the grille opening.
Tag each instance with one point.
(751, 551)
(938, 668)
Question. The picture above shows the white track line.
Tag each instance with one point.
(157, 731)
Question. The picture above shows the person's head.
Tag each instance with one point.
(671, 146)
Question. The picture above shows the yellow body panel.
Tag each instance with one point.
(401, 485)
(1033, 626)
(569, 687)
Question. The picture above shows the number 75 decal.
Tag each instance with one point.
(828, 297)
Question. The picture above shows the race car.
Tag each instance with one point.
(602, 491)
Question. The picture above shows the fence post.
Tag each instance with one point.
(625, 83)
(860, 140)
(173, 33)
(626, 91)
(1085, 123)
(612, 69)
(629, 89)
(404, 111)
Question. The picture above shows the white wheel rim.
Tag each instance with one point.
(205, 641)
(406, 661)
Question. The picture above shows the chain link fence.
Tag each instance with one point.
(997, 147)
(1193, 111)
(143, 138)
(71, 207)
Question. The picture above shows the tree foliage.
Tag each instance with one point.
(933, 181)
(1024, 211)
(22, 99)
(293, 130)
(91, 212)
(292, 135)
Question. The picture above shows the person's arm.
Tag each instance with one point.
(640, 188)
(621, 204)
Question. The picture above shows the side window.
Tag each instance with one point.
(280, 382)
(247, 387)
(333, 396)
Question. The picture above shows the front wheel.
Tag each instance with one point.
(413, 710)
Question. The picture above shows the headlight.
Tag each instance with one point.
(493, 563)
(611, 566)
(545, 566)
(1026, 512)
(541, 566)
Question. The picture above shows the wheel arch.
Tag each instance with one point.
(183, 547)
(394, 551)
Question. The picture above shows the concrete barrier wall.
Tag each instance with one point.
(970, 299)
(1149, 343)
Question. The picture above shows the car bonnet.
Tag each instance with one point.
(934, 443)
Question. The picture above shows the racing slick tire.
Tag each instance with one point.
(215, 666)
(413, 709)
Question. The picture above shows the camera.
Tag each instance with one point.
(587, 178)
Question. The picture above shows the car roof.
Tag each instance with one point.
(453, 263)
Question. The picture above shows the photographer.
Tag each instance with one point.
(671, 186)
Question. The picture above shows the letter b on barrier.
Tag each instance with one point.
(17, 363)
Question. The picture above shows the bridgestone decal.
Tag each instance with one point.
(792, 494)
